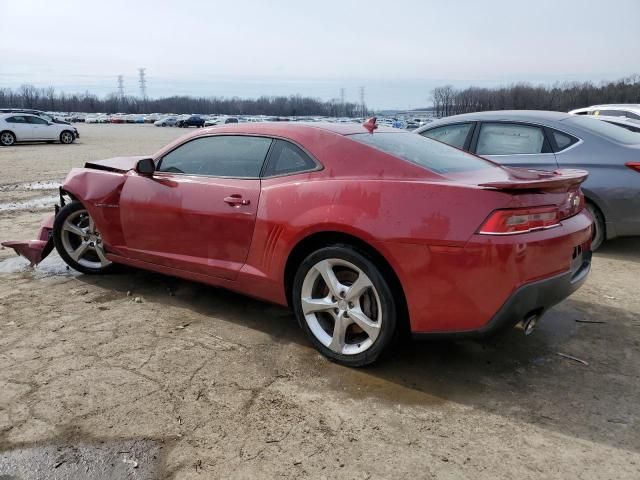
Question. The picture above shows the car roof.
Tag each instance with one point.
(17, 114)
(510, 115)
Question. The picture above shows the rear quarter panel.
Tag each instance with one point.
(612, 186)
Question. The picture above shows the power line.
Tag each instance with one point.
(143, 83)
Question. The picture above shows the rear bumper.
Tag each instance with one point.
(533, 298)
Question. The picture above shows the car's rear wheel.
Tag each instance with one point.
(67, 137)
(599, 232)
(344, 305)
(78, 241)
(7, 139)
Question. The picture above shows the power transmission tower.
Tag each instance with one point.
(364, 108)
(342, 107)
(143, 83)
(120, 87)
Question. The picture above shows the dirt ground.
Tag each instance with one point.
(137, 375)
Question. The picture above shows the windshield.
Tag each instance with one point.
(604, 129)
(427, 153)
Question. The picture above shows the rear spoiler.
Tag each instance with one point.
(523, 179)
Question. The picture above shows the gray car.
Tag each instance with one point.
(551, 140)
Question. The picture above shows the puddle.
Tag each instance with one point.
(41, 203)
(109, 460)
(51, 266)
(39, 185)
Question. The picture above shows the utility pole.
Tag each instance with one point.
(364, 108)
(120, 87)
(143, 83)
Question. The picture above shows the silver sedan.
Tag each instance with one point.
(550, 140)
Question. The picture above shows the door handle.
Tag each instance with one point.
(236, 200)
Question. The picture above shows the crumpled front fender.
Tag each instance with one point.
(35, 250)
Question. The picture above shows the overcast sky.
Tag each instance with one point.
(399, 50)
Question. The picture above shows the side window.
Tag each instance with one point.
(562, 140)
(16, 120)
(36, 120)
(611, 113)
(234, 156)
(454, 135)
(231, 120)
(286, 158)
(509, 139)
(635, 116)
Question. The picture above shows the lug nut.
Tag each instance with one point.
(335, 310)
(342, 294)
(350, 304)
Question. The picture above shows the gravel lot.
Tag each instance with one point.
(191, 381)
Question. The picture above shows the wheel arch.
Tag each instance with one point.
(317, 240)
(597, 202)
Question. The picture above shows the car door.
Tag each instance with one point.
(20, 127)
(514, 144)
(41, 130)
(197, 211)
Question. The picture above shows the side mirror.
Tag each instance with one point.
(145, 167)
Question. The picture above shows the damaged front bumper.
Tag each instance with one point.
(35, 250)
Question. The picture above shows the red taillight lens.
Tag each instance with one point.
(633, 166)
(520, 220)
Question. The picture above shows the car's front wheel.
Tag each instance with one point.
(78, 241)
(67, 137)
(344, 305)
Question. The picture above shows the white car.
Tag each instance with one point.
(628, 110)
(629, 123)
(220, 121)
(166, 122)
(24, 127)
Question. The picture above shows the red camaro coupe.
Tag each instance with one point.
(362, 231)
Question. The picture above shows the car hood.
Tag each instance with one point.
(116, 164)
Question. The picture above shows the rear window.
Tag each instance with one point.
(422, 151)
(604, 129)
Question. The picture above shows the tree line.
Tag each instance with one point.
(48, 99)
(561, 97)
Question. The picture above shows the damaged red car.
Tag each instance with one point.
(364, 232)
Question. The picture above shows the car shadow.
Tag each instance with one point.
(627, 249)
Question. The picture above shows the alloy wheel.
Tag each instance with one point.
(341, 306)
(7, 139)
(82, 241)
(66, 137)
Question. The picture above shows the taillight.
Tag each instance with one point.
(633, 166)
(520, 220)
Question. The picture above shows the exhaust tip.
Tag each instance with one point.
(528, 325)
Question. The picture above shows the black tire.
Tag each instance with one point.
(388, 304)
(63, 214)
(600, 230)
(7, 138)
(67, 137)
